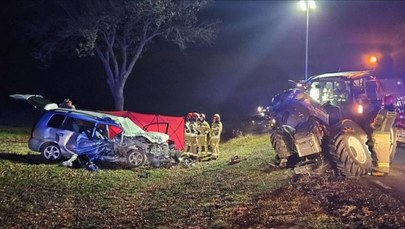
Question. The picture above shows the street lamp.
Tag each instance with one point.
(307, 5)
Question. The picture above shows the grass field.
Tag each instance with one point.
(47, 195)
(213, 194)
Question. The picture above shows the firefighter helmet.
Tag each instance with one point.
(202, 117)
(189, 115)
(195, 115)
(388, 100)
(216, 117)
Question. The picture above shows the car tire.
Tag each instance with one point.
(51, 152)
(136, 158)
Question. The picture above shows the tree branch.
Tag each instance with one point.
(112, 53)
(104, 61)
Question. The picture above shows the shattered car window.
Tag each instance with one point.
(101, 132)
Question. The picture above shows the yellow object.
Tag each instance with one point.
(215, 137)
(187, 141)
(382, 137)
(378, 174)
(203, 130)
(193, 138)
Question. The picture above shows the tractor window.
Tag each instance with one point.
(333, 91)
(327, 91)
(314, 91)
(321, 91)
(371, 90)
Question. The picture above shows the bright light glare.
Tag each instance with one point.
(260, 109)
(360, 109)
(312, 4)
(314, 93)
(304, 4)
(373, 59)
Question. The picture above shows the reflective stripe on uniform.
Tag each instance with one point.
(381, 134)
(383, 165)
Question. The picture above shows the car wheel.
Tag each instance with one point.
(135, 158)
(51, 152)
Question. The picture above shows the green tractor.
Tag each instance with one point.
(323, 123)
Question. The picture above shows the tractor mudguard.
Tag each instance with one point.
(350, 126)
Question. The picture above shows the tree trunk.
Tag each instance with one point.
(118, 96)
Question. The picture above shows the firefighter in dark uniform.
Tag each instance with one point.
(383, 136)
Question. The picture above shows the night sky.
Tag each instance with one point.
(259, 46)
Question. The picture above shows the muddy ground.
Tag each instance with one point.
(342, 202)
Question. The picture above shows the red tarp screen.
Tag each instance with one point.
(170, 125)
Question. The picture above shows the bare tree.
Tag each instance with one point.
(118, 32)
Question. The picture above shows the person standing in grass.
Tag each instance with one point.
(215, 135)
(203, 129)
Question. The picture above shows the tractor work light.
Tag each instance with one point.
(372, 59)
(360, 109)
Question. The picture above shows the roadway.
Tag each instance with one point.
(395, 181)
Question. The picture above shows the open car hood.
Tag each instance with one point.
(37, 101)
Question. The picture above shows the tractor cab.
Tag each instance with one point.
(358, 94)
(343, 90)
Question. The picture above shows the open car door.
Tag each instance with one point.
(38, 101)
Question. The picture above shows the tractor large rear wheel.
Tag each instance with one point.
(350, 154)
(278, 144)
